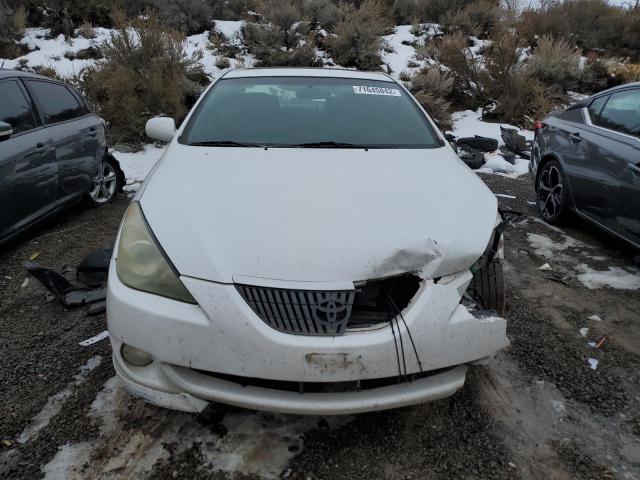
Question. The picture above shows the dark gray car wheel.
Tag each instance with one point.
(106, 184)
(552, 192)
(487, 287)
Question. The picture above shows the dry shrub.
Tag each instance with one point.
(595, 76)
(324, 13)
(12, 25)
(478, 18)
(223, 46)
(588, 24)
(145, 72)
(59, 22)
(357, 42)
(237, 9)
(222, 63)
(623, 71)
(281, 37)
(432, 88)
(411, 11)
(458, 21)
(519, 97)
(86, 30)
(188, 16)
(484, 15)
(555, 63)
(500, 78)
(466, 70)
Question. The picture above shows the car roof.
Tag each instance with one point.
(308, 72)
(11, 73)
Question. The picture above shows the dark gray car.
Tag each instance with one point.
(52, 152)
(587, 159)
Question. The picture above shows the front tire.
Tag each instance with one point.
(487, 286)
(552, 192)
(106, 185)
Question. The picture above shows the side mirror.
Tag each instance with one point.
(6, 131)
(160, 128)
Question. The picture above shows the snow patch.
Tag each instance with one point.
(137, 165)
(402, 54)
(614, 277)
(545, 247)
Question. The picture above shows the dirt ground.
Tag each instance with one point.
(538, 410)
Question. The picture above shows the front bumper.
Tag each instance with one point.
(223, 336)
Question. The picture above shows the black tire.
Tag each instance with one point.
(487, 287)
(484, 144)
(472, 157)
(552, 192)
(108, 183)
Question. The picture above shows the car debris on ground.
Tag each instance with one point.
(89, 288)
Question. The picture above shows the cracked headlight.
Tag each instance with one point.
(141, 263)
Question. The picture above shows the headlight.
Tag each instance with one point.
(141, 263)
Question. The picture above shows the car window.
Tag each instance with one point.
(596, 106)
(574, 115)
(298, 111)
(15, 108)
(621, 113)
(58, 103)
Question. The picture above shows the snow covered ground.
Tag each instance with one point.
(137, 165)
(50, 52)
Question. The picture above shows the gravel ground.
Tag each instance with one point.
(536, 411)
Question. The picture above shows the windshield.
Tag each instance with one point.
(309, 112)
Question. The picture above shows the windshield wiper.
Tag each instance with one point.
(224, 143)
(329, 144)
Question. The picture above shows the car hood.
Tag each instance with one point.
(317, 215)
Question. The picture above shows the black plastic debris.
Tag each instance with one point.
(484, 144)
(508, 154)
(91, 276)
(53, 281)
(515, 142)
(472, 157)
(512, 217)
(93, 269)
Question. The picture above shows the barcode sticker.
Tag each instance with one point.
(363, 90)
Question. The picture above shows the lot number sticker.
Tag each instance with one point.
(362, 90)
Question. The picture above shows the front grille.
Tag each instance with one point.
(305, 312)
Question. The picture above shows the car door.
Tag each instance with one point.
(620, 117)
(28, 169)
(610, 142)
(77, 133)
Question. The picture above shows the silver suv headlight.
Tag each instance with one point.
(141, 263)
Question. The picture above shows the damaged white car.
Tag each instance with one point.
(309, 243)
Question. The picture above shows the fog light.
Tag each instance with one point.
(135, 356)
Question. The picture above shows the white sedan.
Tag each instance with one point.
(309, 243)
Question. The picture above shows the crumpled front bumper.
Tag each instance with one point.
(223, 335)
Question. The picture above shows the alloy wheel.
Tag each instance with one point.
(550, 192)
(104, 184)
